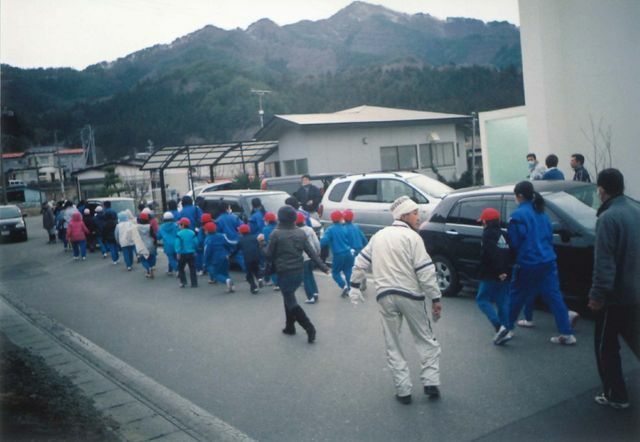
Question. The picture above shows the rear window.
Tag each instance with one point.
(365, 190)
(338, 191)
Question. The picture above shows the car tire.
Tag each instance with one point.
(447, 276)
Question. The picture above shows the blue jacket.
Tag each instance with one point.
(356, 237)
(167, 233)
(228, 224)
(217, 247)
(337, 236)
(186, 241)
(267, 231)
(531, 236)
(249, 247)
(98, 219)
(553, 174)
(256, 222)
(193, 213)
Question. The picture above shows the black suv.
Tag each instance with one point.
(452, 235)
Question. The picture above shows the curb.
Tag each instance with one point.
(143, 409)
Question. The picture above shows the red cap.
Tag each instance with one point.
(210, 227)
(184, 222)
(348, 215)
(489, 214)
(205, 218)
(270, 217)
(244, 229)
(336, 216)
(144, 216)
(300, 218)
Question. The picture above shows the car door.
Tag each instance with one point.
(465, 232)
(365, 201)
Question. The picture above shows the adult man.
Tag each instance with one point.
(577, 164)
(403, 274)
(615, 289)
(552, 173)
(308, 195)
(536, 170)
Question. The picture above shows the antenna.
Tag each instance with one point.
(260, 94)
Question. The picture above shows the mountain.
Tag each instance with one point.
(197, 88)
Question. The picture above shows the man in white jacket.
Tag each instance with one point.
(404, 277)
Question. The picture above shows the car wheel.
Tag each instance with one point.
(447, 276)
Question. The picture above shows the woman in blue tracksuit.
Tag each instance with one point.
(338, 238)
(167, 233)
(256, 220)
(536, 271)
(228, 224)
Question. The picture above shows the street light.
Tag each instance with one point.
(260, 93)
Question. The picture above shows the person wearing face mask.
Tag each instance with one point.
(615, 288)
(536, 170)
(406, 288)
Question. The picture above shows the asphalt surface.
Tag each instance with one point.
(225, 353)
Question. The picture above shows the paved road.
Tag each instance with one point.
(225, 353)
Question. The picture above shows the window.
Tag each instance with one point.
(511, 206)
(338, 191)
(398, 157)
(390, 190)
(437, 155)
(365, 190)
(296, 167)
(468, 211)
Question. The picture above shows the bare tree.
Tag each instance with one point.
(599, 137)
(136, 188)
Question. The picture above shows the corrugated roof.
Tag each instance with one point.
(367, 114)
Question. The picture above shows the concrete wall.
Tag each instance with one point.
(581, 62)
(355, 150)
(503, 135)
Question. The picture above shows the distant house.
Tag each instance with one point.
(366, 139)
(134, 182)
(43, 164)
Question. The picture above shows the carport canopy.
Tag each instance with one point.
(208, 155)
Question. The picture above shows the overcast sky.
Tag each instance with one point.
(78, 33)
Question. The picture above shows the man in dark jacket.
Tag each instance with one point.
(49, 222)
(579, 172)
(615, 290)
(308, 195)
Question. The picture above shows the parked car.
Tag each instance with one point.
(210, 187)
(452, 235)
(240, 201)
(118, 204)
(370, 195)
(291, 183)
(12, 225)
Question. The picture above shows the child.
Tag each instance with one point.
(309, 281)
(494, 270)
(217, 248)
(167, 232)
(270, 223)
(148, 253)
(87, 219)
(77, 233)
(125, 237)
(357, 239)
(109, 235)
(250, 249)
(185, 244)
(205, 218)
(98, 220)
(338, 238)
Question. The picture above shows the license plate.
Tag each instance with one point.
(5, 233)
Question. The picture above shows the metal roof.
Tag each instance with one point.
(240, 152)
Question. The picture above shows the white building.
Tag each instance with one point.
(581, 65)
(134, 182)
(366, 139)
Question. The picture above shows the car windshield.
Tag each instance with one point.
(578, 209)
(272, 202)
(430, 186)
(587, 195)
(9, 212)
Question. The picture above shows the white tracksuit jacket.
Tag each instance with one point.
(404, 276)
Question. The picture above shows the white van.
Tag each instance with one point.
(369, 196)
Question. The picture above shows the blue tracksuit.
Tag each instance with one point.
(168, 232)
(186, 242)
(193, 213)
(217, 248)
(536, 271)
(356, 237)
(228, 224)
(337, 236)
(266, 231)
(256, 222)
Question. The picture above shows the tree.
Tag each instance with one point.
(600, 140)
(112, 181)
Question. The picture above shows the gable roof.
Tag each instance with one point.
(358, 116)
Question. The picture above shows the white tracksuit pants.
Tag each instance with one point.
(392, 309)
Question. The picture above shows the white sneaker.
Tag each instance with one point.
(104, 255)
(564, 340)
(116, 262)
(502, 336)
(230, 286)
(602, 400)
(260, 283)
(573, 318)
(310, 301)
(200, 273)
(526, 324)
(84, 258)
(75, 258)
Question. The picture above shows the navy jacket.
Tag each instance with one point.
(248, 245)
(495, 254)
(553, 174)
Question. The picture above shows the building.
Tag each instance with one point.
(581, 69)
(134, 182)
(366, 139)
(42, 164)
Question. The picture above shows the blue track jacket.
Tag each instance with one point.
(356, 237)
(531, 236)
(186, 241)
(337, 236)
(217, 248)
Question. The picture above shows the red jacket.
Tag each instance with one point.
(76, 230)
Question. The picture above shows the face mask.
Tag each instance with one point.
(532, 164)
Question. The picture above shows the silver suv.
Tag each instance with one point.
(369, 196)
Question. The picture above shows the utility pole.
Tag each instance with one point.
(88, 144)
(260, 94)
(473, 148)
(3, 183)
